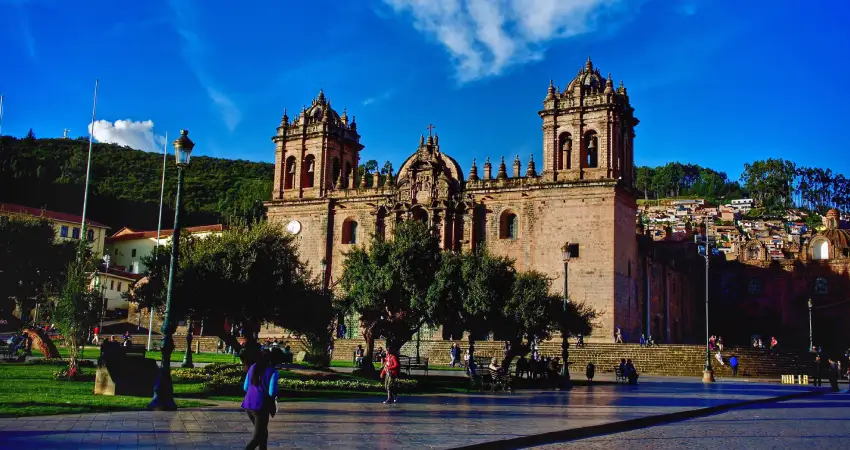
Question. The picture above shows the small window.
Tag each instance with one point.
(112, 284)
(90, 236)
(76, 233)
(349, 232)
(133, 253)
(63, 231)
(119, 286)
(821, 249)
(508, 226)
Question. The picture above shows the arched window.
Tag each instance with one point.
(335, 173)
(565, 147)
(592, 149)
(349, 231)
(508, 226)
(309, 176)
(420, 214)
(820, 249)
(289, 176)
(381, 224)
(753, 253)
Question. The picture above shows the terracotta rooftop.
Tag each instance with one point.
(128, 234)
(47, 214)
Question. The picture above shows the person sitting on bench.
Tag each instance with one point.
(358, 356)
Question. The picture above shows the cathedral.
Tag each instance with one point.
(579, 201)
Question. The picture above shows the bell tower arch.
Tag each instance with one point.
(315, 152)
(588, 130)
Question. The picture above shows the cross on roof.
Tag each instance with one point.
(430, 129)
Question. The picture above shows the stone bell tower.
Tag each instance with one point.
(588, 130)
(318, 151)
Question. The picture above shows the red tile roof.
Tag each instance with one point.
(55, 215)
(127, 234)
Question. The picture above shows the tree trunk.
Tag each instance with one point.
(367, 368)
(471, 347)
(517, 349)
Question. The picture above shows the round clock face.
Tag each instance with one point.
(294, 227)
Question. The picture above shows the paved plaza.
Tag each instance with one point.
(810, 422)
(429, 421)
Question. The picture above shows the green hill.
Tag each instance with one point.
(125, 183)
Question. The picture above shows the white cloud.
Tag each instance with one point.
(382, 97)
(485, 37)
(138, 135)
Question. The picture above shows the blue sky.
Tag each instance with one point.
(717, 83)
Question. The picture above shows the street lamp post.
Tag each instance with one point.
(187, 357)
(106, 261)
(565, 344)
(811, 342)
(708, 373)
(163, 394)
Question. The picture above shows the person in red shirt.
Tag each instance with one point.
(96, 339)
(390, 372)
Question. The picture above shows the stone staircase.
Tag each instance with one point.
(669, 360)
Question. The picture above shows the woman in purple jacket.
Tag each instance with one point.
(260, 391)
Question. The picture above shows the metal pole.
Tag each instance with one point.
(1, 115)
(565, 345)
(708, 374)
(88, 164)
(163, 395)
(103, 299)
(159, 225)
(811, 343)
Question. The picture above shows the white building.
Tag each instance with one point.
(127, 247)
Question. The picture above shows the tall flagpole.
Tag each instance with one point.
(88, 164)
(1, 114)
(159, 223)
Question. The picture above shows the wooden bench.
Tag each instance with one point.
(409, 363)
(134, 349)
(491, 381)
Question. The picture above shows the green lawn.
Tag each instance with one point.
(92, 352)
(29, 390)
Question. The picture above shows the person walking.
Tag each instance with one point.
(590, 371)
(390, 373)
(833, 375)
(733, 363)
(260, 392)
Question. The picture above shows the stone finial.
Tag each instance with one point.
(321, 97)
(503, 170)
(473, 172)
(350, 179)
(353, 125)
(550, 95)
(344, 116)
(517, 166)
(421, 140)
(609, 85)
(436, 139)
(589, 64)
(339, 184)
(284, 121)
(363, 178)
(487, 169)
(390, 180)
(532, 170)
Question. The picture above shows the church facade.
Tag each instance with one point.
(580, 196)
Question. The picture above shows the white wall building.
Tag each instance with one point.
(127, 247)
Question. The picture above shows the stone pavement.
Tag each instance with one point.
(811, 422)
(432, 421)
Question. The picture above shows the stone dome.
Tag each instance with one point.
(589, 77)
(320, 107)
(832, 213)
(838, 237)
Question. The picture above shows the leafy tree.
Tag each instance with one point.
(388, 284)
(30, 135)
(528, 313)
(470, 291)
(643, 180)
(77, 306)
(32, 263)
(248, 275)
(770, 182)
